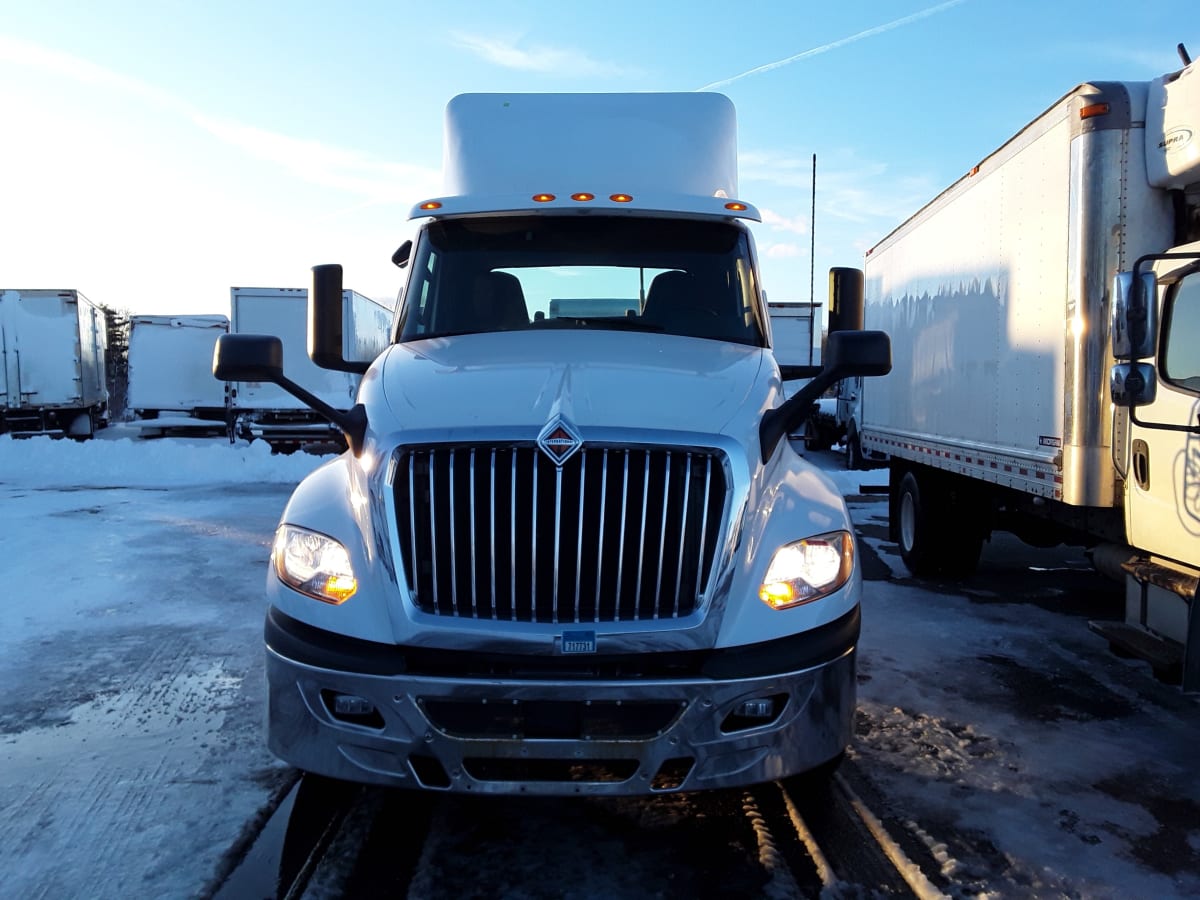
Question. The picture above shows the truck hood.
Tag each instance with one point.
(521, 380)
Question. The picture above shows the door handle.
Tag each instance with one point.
(1141, 464)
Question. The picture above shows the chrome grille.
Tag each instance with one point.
(615, 534)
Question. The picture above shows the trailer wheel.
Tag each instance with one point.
(918, 532)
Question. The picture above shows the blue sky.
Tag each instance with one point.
(153, 155)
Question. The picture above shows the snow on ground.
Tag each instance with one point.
(996, 729)
(131, 692)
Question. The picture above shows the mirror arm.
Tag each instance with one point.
(352, 422)
(791, 415)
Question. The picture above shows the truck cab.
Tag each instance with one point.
(569, 549)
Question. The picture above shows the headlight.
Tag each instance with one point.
(808, 570)
(314, 564)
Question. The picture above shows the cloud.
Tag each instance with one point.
(784, 251)
(833, 45)
(325, 165)
(796, 224)
(328, 165)
(504, 52)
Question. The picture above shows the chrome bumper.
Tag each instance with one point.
(557, 737)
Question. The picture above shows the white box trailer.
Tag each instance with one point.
(1008, 325)
(53, 379)
(171, 385)
(260, 409)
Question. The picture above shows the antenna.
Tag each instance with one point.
(812, 262)
(1183, 54)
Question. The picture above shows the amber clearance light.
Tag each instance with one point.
(430, 204)
(1095, 109)
(620, 198)
(543, 198)
(736, 207)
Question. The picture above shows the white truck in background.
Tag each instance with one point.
(170, 383)
(53, 344)
(1045, 318)
(260, 409)
(570, 549)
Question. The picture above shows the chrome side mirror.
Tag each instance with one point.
(1134, 320)
(1132, 384)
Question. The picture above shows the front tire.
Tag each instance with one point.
(814, 436)
(917, 528)
(854, 453)
(938, 532)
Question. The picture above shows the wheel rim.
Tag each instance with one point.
(908, 522)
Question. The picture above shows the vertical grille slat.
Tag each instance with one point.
(683, 528)
(662, 531)
(601, 532)
(615, 534)
(579, 563)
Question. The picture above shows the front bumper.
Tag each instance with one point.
(611, 728)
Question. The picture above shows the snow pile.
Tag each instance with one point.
(44, 462)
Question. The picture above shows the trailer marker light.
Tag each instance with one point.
(735, 206)
(583, 196)
(430, 204)
(543, 198)
(620, 198)
(1095, 109)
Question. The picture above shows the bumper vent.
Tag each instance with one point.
(615, 535)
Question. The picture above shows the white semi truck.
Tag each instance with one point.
(1045, 317)
(171, 388)
(570, 549)
(259, 409)
(53, 345)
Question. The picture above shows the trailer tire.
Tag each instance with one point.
(918, 528)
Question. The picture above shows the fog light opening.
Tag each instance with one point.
(429, 772)
(754, 712)
(352, 709)
(672, 774)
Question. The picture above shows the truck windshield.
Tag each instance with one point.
(689, 278)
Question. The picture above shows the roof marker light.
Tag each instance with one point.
(735, 206)
(1094, 109)
(583, 196)
(543, 198)
(430, 204)
(620, 198)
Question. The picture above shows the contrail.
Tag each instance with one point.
(825, 48)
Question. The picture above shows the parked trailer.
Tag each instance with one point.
(1045, 316)
(53, 379)
(171, 387)
(570, 551)
(260, 409)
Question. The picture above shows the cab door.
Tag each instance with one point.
(1163, 480)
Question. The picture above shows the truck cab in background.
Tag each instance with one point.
(1045, 315)
(570, 550)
